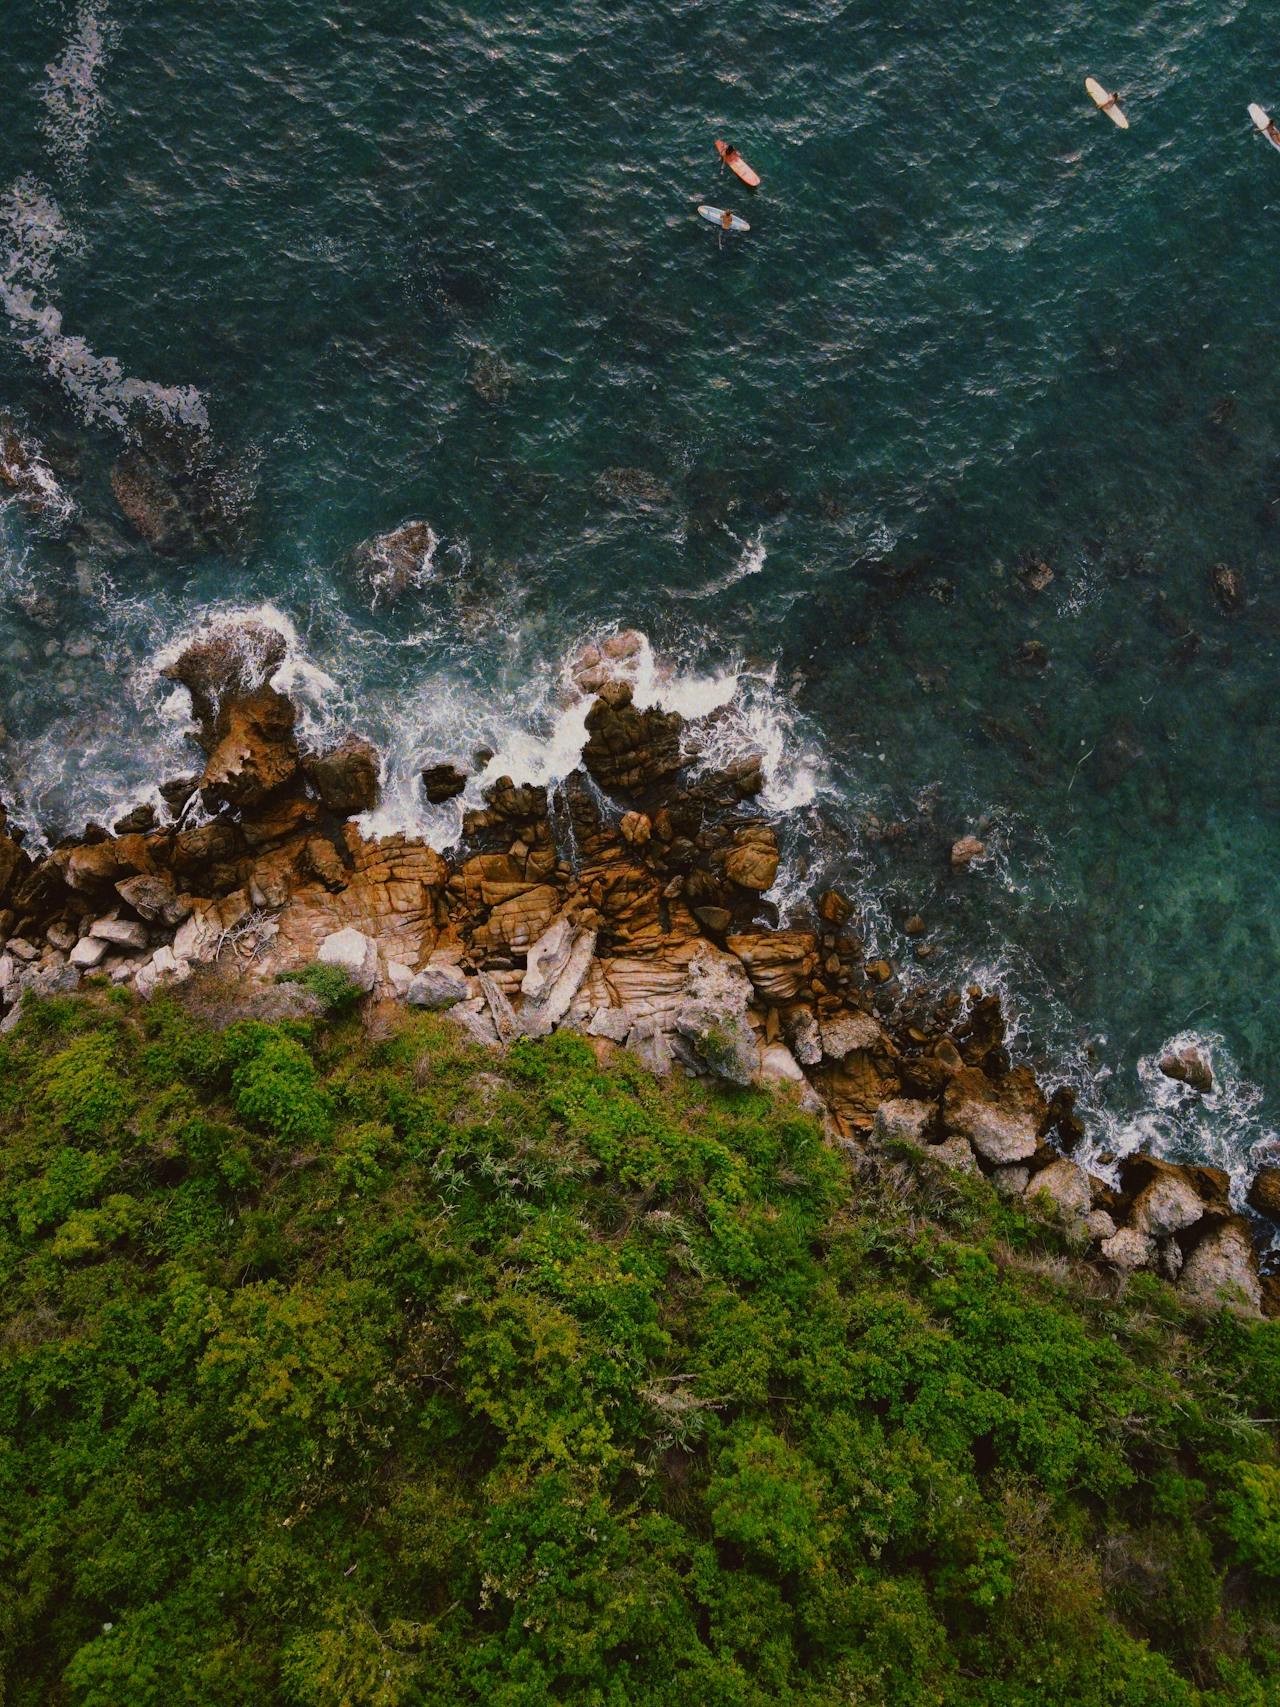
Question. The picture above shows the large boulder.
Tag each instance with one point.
(346, 776)
(255, 751)
(628, 750)
(154, 897)
(776, 962)
(712, 1018)
(395, 562)
(556, 966)
(1168, 1204)
(1001, 1118)
(752, 861)
(849, 1029)
(1067, 1187)
(903, 1120)
(439, 985)
(353, 953)
(1188, 1066)
(1222, 1269)
(226, 659)
(1264, 1192)
(443, 781)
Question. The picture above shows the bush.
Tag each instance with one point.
(380, 1370)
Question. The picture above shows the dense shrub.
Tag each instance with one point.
(349, 1369)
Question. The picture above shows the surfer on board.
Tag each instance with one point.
(726, 220)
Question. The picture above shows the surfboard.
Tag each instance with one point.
(1105, 103)
(721, 217)
(734, 161)
(1263, 121)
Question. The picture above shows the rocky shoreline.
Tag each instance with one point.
(629, 905)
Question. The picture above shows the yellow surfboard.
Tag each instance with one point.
(1105, 103)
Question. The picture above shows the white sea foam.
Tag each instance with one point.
(72, 95)
(1222, 1127)
(32, 233)
(750, 561)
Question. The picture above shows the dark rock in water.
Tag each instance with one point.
(834, 909)
(141, 818)
(178, 791)
(627, 749)
(442, 782)
(492, 377)
(346, 776)
(1228, 587)
(232, 657)
(1032, 656)
(1188, 1067)
(1264, 1193)
(1115, 757)
(181, 500)
(394, 562)
(632, 486)
(24, 472)
(1035, 575)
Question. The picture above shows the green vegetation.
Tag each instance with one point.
(356, 1366)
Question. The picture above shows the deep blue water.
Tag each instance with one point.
(417, 261)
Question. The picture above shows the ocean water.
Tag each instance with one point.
(407, 261)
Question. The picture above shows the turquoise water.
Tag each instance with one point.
(430, 262)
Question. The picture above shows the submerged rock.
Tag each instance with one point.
(965, 851)
(393, 563)
(180, 498)
(1228, 587)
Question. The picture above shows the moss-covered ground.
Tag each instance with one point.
(343, 1363)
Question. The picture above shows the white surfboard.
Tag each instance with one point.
(1105, 103)
(723, 218)
(1263, 121)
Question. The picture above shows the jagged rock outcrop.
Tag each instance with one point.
(637, 923)
(628, 750)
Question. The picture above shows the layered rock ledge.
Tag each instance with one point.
(629, 906)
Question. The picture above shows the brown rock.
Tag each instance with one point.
(154, 897)
(255, 751)
(346, 776)
(915, 925)
(834, 909)
(229, 658)
(1000, 1118)
(775, 962)
(965, 851)
(1188, 1067)
(636, 829)
(752, 861)
(323, 862)
(1228, 587)
(1264, 1192)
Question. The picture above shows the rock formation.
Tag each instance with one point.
(630, 908)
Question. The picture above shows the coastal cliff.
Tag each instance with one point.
(629, 904)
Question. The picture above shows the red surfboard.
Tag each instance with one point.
(734, 161)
